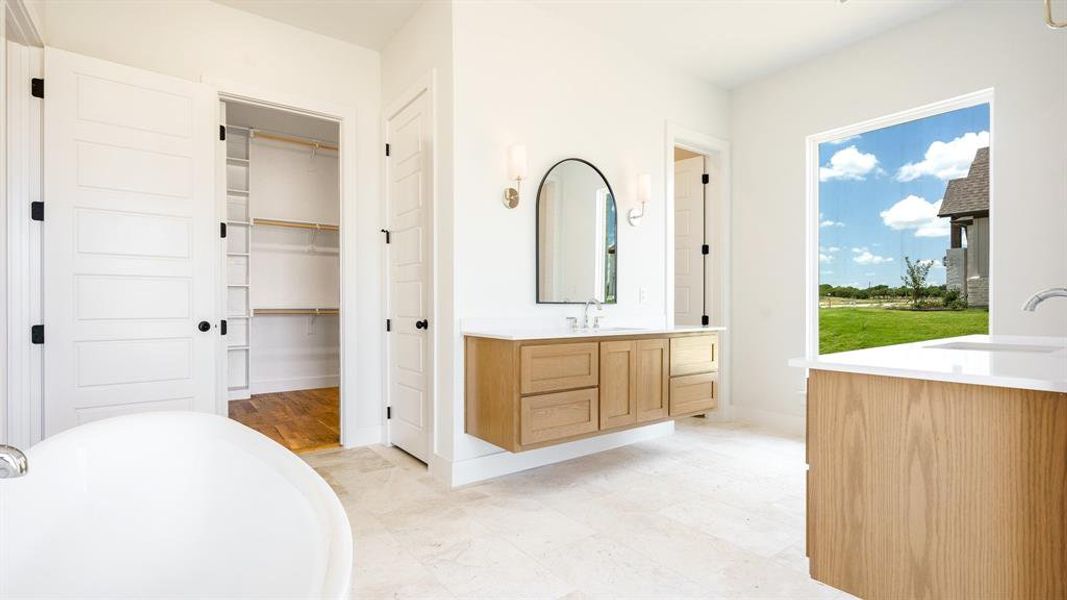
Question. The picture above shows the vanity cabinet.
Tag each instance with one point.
(525, 394)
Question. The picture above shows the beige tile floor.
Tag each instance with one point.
(714, 511)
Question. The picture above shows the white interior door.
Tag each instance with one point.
(130, 242)
(688, 241)
(409, 181)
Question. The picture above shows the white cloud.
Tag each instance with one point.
(914, 212)
(825, 258)
(830, 223)
(934, 263)
(844, 140)
(850, 164)
(946, 160)
(863, 256)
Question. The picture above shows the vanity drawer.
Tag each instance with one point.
(557, 416)
(694, 393)
(555, 367)
(694, 354)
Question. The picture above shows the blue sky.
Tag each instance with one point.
(879, 194)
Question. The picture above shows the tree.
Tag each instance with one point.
(914, 278)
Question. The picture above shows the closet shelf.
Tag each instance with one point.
(238, 285)
(296, 311)
(239, 347)
(236, 160)
(237, 192)
(237, 254)
(239, 223)
(296, 224)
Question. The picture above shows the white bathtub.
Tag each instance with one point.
(174, 505)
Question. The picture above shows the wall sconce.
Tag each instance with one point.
(516, 171)
(644, 195)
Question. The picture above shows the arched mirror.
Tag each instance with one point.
(576, 235)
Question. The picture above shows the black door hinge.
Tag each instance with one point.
(705, 249)
(705, 179)
(704, 320)
(222, 327)
(37, 87)
(222, 133)
(222, 230)
(388, 412)
(387, 149)
(37, 334)
(388, 324)
(37, 210)
(387, 236)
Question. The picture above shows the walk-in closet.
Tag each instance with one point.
(283, 274)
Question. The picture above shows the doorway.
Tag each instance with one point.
(698, 283)
(282, 274)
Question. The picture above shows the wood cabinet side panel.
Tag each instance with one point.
(922, 489)
(492, 392)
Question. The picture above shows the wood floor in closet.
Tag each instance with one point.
(302, 420)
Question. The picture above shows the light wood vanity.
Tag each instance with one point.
(530, 393)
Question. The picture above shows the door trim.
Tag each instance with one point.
(355, 431)
(425, 84)
(709, 146)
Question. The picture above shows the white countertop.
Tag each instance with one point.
(535, 333)
(1030, 362)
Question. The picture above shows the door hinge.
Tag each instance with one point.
(704, 320)
(37, 334)
(388, 324)
(222, 327)
(37, 210)
(37, 87)
(387, 236)
(222, 133)
(388, 412)
(705, 179)
(222, 230)
(705, 249)
(387, 149)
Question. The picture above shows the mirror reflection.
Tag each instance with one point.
(576, 235)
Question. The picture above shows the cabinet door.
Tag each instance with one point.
(653, 365)
(694, 354)
(555, 367)
(693, 393)
(618, 384)
(558, 416)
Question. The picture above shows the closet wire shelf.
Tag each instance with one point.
(296, 311)
(296, 224)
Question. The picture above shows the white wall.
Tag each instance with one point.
(203, 41)
(969, 47)
(523, 76)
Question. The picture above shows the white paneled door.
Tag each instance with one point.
(131, 242)
(409, 181)
(688, 241)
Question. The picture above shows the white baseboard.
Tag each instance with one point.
(792, 425)
(503, 463)
(241, 394)
(270, 386)
(362, 436)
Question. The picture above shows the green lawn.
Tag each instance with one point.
(842, 329)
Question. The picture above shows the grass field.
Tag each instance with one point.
(842, 329)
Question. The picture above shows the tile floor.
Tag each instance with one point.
(714, 511)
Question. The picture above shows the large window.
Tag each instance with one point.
(903, 231)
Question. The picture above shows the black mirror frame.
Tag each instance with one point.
(537, 232)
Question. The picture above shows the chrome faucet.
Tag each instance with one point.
(1039, 297)
(13, 462)
(585, 313)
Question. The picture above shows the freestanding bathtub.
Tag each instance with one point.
(170, 505)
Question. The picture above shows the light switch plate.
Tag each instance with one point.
(642, 295)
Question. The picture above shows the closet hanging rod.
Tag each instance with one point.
(296, 224)
(296, 311)
(293, 139)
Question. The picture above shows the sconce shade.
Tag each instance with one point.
(517, 162)
(644, 188)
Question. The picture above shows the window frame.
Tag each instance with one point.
(811, 220)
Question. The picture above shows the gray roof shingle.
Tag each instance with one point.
(970, 194)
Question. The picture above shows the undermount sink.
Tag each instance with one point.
(995, 347)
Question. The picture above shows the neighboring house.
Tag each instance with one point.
(966, 203)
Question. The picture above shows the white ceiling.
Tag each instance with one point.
(726, 42)
(367, 23)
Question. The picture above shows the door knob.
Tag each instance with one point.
(203, 326)
(423, 324)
